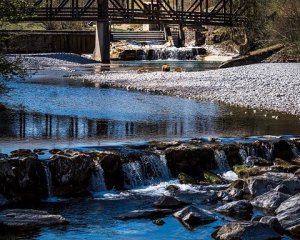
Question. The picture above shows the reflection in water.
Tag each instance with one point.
(54, 111)
(18, 128)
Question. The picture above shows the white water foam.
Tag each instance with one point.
(243, 154)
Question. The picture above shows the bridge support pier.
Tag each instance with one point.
(102, 42)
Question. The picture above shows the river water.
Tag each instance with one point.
(50, 110)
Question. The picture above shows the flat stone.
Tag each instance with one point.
(27, 219)
(192, 216)
(270, 200)
(246, 231)
(139, 214)
(169, 203)
(236, 208)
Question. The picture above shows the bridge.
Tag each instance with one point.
(194, 13)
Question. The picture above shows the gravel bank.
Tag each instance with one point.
(265, 86)
(52, 60)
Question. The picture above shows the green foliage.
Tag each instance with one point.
(274, 21)
(10, 11)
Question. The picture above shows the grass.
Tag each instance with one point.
(22, 26)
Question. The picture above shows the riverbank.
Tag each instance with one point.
(263, 86)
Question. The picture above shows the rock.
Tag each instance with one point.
(3, 201)
(212, 178)
(172, 188)
(242, 208)
(166, 68)
(288, 215)
(238, 189)
(273, 223)
(283, 150)
(282, 189)
(2, 108)
(192, 216)
(55, 151)
(139, 214)
(112, 166)
(71, 175)
(245, 231)
(164, 145)
(270, 200)
(186, 179)
(159, 222)
(23, 179)
(297, 173)
(22, 153)
(212, 197)
(190, 160)
(257, 161)
(225, 196)
(261, 184)
(3, 156)
(167, 202)
(285, 166)
(28, 219)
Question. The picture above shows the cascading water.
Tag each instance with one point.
(48, 180)
(244, 155)
(268, 151)
(97, 182)
(155, 168)
(223, 166)
(221, 160)
(296, 151)
(151, 169)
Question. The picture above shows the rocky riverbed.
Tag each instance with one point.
(266, 86)
(234, 179)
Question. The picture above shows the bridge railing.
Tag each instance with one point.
(223, 12)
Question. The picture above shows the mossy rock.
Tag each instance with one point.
(186, 179)
(241, 170)
(296, 161)
(285, 166)
(212, 178)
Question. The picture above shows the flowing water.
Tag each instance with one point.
(50, 110)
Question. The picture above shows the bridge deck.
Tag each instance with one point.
(195, 12)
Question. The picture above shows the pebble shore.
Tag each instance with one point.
(271, 86)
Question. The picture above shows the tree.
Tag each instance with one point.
(11, 10)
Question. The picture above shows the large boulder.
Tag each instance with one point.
(246, 231)
(23, 179)
(71, 174)
(28, 219)
(190, 160)
(263, 183)
(288, 214)
(283, 150)
(192, 216)
(270, 200)
(238, 189)
(149, 213)
(273, 223)
(240, 209)
(168, 202)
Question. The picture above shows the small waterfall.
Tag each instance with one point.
(151, 169)
(155, 168)
(296, 151)
(133, 174)
(221, 160)
(48, 179)
(243, 155)
(268, 151)
(97, 182)
(175, 53)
